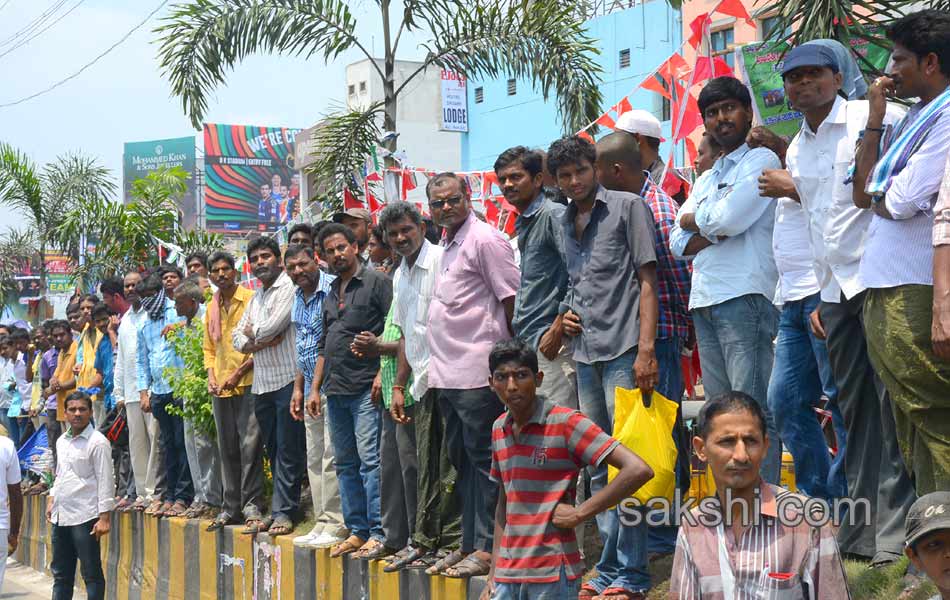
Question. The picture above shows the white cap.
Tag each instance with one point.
(642, 122)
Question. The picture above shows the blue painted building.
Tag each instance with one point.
(633, 42)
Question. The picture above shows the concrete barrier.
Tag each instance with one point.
(145, 558)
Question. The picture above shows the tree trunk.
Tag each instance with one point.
(389, 85)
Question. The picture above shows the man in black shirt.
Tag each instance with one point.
(358, 303)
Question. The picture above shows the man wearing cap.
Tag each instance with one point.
(818, 160)
(928, 540)
(358, 220)
(726, 224)
(648, 132)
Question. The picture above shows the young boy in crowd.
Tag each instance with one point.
(538, 449)
(105, 355)
(928, 539)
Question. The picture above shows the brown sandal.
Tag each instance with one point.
(347, 546)
(178, 509)
(471, 566)
(449, 560)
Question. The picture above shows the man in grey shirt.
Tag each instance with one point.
(537, 318)
(611, 311)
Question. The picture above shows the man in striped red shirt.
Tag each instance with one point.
(537, 451)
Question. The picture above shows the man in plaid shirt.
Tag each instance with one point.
(619, 168)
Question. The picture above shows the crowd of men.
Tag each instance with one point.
(443, 395)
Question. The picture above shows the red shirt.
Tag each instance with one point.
(538, 469)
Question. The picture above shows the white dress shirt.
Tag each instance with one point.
(269, 312)
(792, 251)
(819, 163)
(726, 202)
(9, 475)
(910, 200)
(84, 486)
(412, 293)
(125, 386)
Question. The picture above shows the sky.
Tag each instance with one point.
(124, 98)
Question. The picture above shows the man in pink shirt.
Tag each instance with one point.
(472, 306)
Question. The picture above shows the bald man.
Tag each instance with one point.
(619, 167)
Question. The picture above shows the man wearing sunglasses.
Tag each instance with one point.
(472, 307)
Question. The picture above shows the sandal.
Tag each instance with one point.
(194, 511)
(158, 508)
(220, 522)
(616, 593)
(178, 509)
(140, 505)
(374, 550)
(405, 558)
(471, 566)
(281, 526)
(347, 546)
(587, 592)
(449, 560)
(254, 525)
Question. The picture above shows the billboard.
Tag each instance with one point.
(250, 180)
(454, 102)
(142, 158)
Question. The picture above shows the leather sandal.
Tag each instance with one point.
(347, 546)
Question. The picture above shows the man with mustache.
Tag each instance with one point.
(752, 539)
(726, 228)
(265, 331)
(357, 304)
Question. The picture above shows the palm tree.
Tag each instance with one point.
(43, 197)
(537, 39)
(17, 249)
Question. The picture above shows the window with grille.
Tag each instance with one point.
(512, 87)
(721, 43)
(479, 95)
(770, 24)
(362, 86)
(352, 90)
(625, 58)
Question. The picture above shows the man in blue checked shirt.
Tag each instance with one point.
(313, 285)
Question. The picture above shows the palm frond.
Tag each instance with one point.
(342, 142)
(17, 250)
(202, 39)
(198, 241)
(20, 184)
(539, 40)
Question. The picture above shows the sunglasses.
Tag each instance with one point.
(438, 204)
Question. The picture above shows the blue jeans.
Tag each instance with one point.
(178, 484)
(800, 375)
(623, 562)
(736, 353)
(563, 589)
(355, 430)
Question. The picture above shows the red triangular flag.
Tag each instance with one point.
(691, 150)
(696, 26)
(606, 120)
(651, 83)
(719, 68)
(491, 212)
(691, 118)
(350, 201)
(586, 136)
(675, 67)
(623, 106)
(734, 8)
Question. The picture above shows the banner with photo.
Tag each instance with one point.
(762, 71)
(250, 180)
(142, 158)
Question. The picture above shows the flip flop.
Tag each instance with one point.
(449, 560)
(470, 566)
(616, 593)
(281, 526)
(254, 525)
(587, 592)
(221, 521)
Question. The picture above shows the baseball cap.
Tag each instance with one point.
(809, 55)
(359, 213)
(642, 122)
(930, 513)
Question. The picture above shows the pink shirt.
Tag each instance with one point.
(466, 315)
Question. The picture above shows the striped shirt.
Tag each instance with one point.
(538, 468)
(307, 318)
(672, 274)
(387, 364)
(412, 295)
(773, 559)
(268, 312)
(941, 236)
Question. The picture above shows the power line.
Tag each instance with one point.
(90, 63)
(32, 25)
(41, 31)
(4, 5)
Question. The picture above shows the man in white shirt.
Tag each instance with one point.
(818, 160)
(80, 502)
(11, 501)
(727, 226)
(903, 180)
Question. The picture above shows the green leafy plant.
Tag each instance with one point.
(190, 383)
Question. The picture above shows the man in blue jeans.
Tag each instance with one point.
(353, 314)
(610, 311)
(726, 226)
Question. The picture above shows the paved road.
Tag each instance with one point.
(23, 583)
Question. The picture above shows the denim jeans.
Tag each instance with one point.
(355, 431)
(178, 484)
(72, 542)
(800, 375)
(563, 589)
(285, 442)
(736, 353)
(623, 562)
